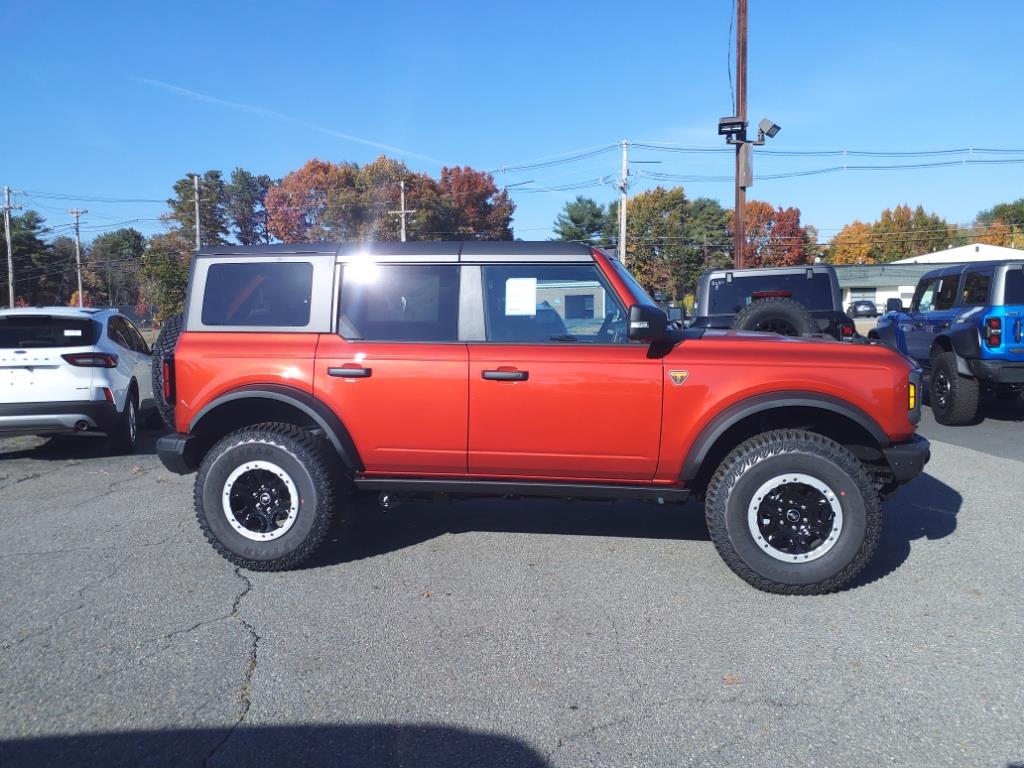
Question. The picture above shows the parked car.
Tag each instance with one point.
(964, 326)
(73, 370)
(862, 308)
(518, 369)
(792, 301)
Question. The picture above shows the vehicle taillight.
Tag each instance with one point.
(167, 381)
(993, 331)
(91, 359)
(108, 394)
(847, 330)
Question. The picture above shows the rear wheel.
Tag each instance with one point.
(954, 398)
(162, 350)
(265, 495)
(125, 436)
(793, 512)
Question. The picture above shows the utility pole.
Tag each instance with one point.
(10, 250)
(623, 188)
(403, 212)
(743, 148)
(195, 186)
(75, 214)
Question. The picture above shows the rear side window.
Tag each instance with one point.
(399, 302)
(727, 297)
(946, 296)
(1013, 292)
(976, 287)
(30, 331)
(275, 294)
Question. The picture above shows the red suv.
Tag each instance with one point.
(304, 372)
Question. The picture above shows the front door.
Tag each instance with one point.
(557, 391)
(395, 373)
(931, 315)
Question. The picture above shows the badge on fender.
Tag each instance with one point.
(678, 377)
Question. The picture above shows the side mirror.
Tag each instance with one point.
(647, 323)
(894, 305)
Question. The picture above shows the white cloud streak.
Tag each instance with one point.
(262, 112)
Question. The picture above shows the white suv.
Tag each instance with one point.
(73, 370)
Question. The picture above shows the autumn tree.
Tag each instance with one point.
(901, 233)
(773, 236)
(478, 210)
(580, 220)
(852, 245)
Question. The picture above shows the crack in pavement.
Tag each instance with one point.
(37, 475)
(245, 693)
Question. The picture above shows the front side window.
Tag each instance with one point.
(399, 302)
(551, 303)
(924, 298)
(274, 294)
(976, 287)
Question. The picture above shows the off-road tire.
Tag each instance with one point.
(162, 349)
(764, 314)
(962, 401)
(764, 456)
(311, 464)
(125, 436)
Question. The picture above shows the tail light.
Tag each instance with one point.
(993, 331)
(771, 295)
(847, 330)
(168, 379)
(91, 359)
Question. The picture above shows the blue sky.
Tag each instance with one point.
(120, 99)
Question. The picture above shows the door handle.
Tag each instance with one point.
(350, 373)
(506, 375)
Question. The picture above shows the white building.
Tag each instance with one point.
(966, 253)
(880, 282)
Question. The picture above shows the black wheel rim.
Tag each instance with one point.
(941, 389)
(795, 518)
(778, 325)
(260, 501)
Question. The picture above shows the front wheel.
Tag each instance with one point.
(954, 398)
(265, 495)
(793, 512)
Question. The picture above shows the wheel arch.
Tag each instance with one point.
(847, 424)
(257, 403)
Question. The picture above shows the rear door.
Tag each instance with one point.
(555, 388)
(32, 369)
(395, 372)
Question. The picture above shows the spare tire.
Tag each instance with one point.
(163, 349)
(776, 315)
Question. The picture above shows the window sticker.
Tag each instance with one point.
(521, 297)
(72, 332)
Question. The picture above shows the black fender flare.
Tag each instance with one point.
(963, 338)
(322, 415)
(769, 401)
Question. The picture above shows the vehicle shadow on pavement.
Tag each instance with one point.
(377, 532)
(925, 508)
(70, 447)
(352, 746)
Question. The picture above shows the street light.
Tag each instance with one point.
(735, 131)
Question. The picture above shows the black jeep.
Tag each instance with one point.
(793, 301)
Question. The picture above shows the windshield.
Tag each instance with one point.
(727, 297)
(22, 331)
(630, 281)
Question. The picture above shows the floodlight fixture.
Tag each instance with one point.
(731, 126)
(768, 128)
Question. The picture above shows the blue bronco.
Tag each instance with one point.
(964, 327)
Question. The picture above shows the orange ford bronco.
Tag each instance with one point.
(300, 373)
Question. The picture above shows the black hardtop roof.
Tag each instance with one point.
(418, 247)
(956, 269)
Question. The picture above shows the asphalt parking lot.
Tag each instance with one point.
(503, 633)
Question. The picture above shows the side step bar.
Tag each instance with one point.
(659, 495)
